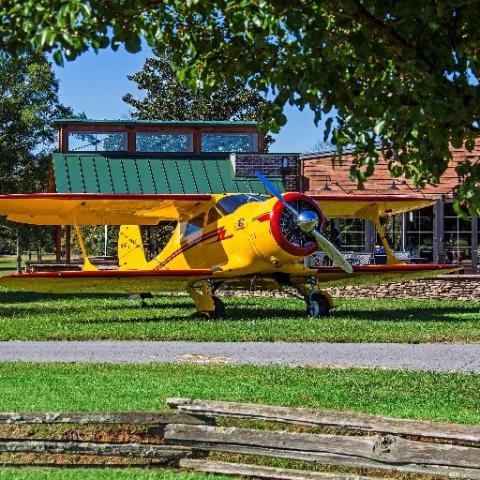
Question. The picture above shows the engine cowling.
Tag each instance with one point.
(285, 229)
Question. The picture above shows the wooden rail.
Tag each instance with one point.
(376, 444)
(329, 418)
(386, 451)
(93, 418)
(373, 452)
(124, 449)
(260, 471)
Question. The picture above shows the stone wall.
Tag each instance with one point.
(452, 287)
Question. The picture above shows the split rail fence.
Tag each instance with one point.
(188, 438)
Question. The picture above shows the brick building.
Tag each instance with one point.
(435, 233)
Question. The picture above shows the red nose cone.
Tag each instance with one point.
(286, 233)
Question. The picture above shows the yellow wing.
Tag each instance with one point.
(368, 206)
(100, 209)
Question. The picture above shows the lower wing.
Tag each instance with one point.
(104, 281)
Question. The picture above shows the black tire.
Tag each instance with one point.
(219, 311)
(317, 305)
(219, 308)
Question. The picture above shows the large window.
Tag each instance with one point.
(229, 142)
(420, 234)
(164, 142)
(97, 141)
(457, 236)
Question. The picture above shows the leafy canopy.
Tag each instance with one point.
(28, 104)
(169, 99)
(403, 73)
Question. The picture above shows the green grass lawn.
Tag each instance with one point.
(44, 316)
(95, 474)
(8, 263)
(97, 387)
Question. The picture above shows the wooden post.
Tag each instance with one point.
(370, 236)
(58, 243)
(261, 141)
(62, 139)
(131, 140)
(197, 142)
(404, 231)
(68, 246)
(438, 232)
(474, 251)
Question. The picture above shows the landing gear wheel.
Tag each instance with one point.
(219, 311)
(219, 308)
(317, 305)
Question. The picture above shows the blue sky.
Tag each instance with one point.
(95, 84)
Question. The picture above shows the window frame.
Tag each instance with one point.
(72, 133)
(253, 140)
(189, 136)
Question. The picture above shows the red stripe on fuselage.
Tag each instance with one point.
(264, 217)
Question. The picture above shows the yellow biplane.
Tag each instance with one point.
(240, 241)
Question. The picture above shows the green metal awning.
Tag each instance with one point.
(99, 173)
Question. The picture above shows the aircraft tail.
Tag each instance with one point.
(131, 255)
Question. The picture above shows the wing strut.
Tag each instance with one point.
(391, 259)
(87, 265)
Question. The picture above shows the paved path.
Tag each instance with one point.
(436, 357)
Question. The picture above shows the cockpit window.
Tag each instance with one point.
(213, 215)
(193, 226)
(229, 204)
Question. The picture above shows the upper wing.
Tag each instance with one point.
(100, 209)
(368, 206)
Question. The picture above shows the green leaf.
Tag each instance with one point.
(133, 44)
(328, 129)
(58, 58)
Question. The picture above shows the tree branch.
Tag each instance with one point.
(389, 36)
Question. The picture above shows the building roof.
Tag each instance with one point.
(156, 123)
(321, 177)
(103, 173)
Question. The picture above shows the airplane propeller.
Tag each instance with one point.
(308, 222)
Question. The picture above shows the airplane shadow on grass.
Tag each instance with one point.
(26, 297)
(235, 311)
(414, 314)
(251, 313)
(50, 305)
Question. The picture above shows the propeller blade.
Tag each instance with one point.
(270, 187)
(332, 251)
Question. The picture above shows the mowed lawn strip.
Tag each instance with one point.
(28, 316)
(95, 474)
(97, 387)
